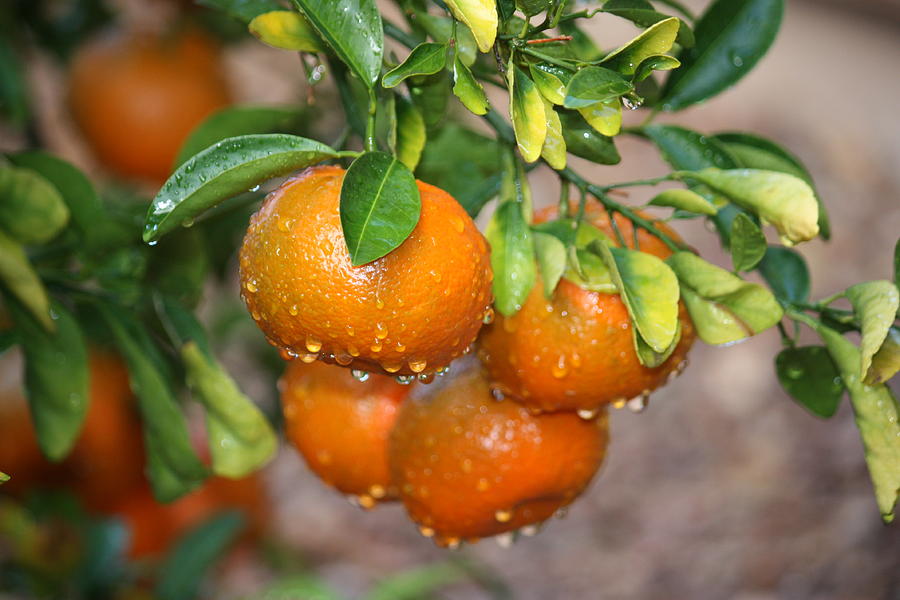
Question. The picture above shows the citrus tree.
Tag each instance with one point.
(369, 259)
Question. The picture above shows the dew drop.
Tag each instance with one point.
(488, 316)
(391, 367)
(313, 344)
(405, 379)
(381, 330)
(619, 403)
(506, 540)
(360, 375)
(639, 403)
(310, 357)
(503, 516)
(250, 286)
(377, 491)
(417, 366)
(588, 414)
(530, 530)
(366, 501)
(343, 359)
(426, 531)
(293, 310)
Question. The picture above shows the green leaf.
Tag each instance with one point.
(411, 134)
(353, 30)
(4, 477)
(512, 257)
(287, 30)
(593, 85)
(380, 206)
(754, 152)
(469, 91)
(20, 279)
(551, 81)
(684, 200)
(480, 16)
(14, 101)
(605, 118)
(785, 201)
(582, 140)
(649, 290)
(786, 273)
(172, 466)
(554, 149)
(298, 586)
(527, 111)
(233, 121)
(241, 440)
(588, 271)
(748, 244)
(32, 210)
(185, 567)
(688, 150)
(649, 357)
(431, 93)
(723, 307)
(875, 304)
(656, 62)
(878, 419)
(226, 169)
(642, 13)
(178, 266)
(731, 36)
(441, 28)
(809, 376)
(886, 361)
(551, 258)
(56, 377)
(655, 40)
(416, 584)
(425, 59)
(533, 7)
(243, 10)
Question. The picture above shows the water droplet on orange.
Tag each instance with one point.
(503, 516)
(417, 366)
(313, 344)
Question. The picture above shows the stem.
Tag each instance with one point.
(559, 38)
(546, 58)
(391, 30)
(636, 183)
(563, 209)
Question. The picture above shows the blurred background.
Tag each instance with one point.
(723, 487)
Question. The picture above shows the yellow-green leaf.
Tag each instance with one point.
(684, 200)
(480, 16)
(411, 133)
(886, 361)
(286, 29)
(469, 91)
(554, 148)
(875, 304)
(655, 40)
(527, 111)
(551, 257)
(18, 276)
(605, 117)
(551, 81)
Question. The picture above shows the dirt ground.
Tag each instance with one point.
(723, 488)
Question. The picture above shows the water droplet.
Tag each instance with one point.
(426, 531)
(483, 485)
(293, 310)
(309, 358)
(187, 223)
(560, 370)
(506, 540)
(376, 346)
(638, 404)
(530, 530)
(381, 330)
(458, 224)
(561, 513)
(313, 344)
(287, 354)
(377, 491)
(353, 350)
(343, 359)
(250, 286)
(405, 379)
(379, 303)
(366, 501)
(619, 403)
(488, 316)
(360, 375)
(350, 331)
(426, 378)
(588, 414)
(417, 366)
(400, 347)
(503, 516)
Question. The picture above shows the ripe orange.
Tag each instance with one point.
(410, 312)
(136, 97)
(341, 426)
(575, 351)
(468, 466)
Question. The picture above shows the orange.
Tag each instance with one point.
(341, 426)
(136, 97)
(408, 313)
(575, 351)
(468, 466)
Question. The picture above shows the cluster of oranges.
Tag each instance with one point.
(499, 445)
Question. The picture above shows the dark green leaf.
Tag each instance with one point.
(287, 30)
(185, 567)
(234, 121)
(809, 376)
(411, 133)
(425, 59)
(56, 377)
(731, 36)
(380, 206)
(688, 150)
(430, 94)
(655, 40)
(226, 169)
(512, 257)
(243, 10)
(469, 91)
(786, 273)
(533, 7)
(31, 208)
(353, 30)
(748, 244)
(551, 257)
(877, 416)
(179, 265)
(875, 304)
(593, 85)
(19, 278)
(656, 62)
(581, 140)
(13, 87)
(642, 13)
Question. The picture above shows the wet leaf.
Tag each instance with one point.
(243, 10)
(286, 29)
(875, 304)
(56, 377)
(411, 134)
(649, 290)
(588, 271)
(480, 16)
(785, 201)
(593, 85)
(886, 361)
(469, 91)
(786, 273)
(527, 111)
(723, 307)
(533, 7)
(233, 121)
(431, 94)
(730, 37)
(657, 62)
(684, 200)
(380, 206)
(551, 257)
(581, 140)
(32, 211)
(440, 28)
(755, 152)
(642, 13)
(878, 419)
(605, 118)
(657, 39)
(748, 244)
(19, 278)
(226, 169)
(554, 148)
(512, 257)
(425, 59)
(809, 376)
(353, 30)
(688, 150)
(649, 357)
(551, 81)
